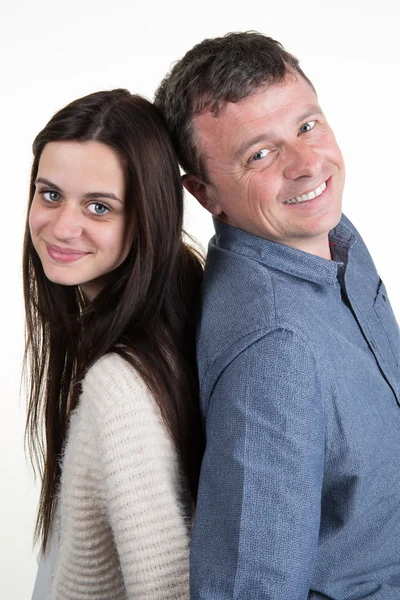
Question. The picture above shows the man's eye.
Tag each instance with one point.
(307, 126)
(51, 196)
(260, 154)
(98, 209)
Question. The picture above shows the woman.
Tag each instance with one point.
(110, 295)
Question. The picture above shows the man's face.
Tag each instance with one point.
(274, 167)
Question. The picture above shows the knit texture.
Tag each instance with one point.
(124, 526)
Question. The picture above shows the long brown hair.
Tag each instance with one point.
(147, 311)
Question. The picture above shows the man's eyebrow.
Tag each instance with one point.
(89, 195)
(258, 139)
(313, 109)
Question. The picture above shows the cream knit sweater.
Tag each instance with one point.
(124, 526)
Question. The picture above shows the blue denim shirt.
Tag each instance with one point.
(299, 370)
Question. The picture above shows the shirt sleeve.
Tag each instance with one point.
(142, 485)
(258, 512)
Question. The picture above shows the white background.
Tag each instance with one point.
(53, 52)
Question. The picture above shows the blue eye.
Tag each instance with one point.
(307, 126)
(51, 195)
(98, 209)
(260, 154)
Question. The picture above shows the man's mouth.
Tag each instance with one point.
(305, 197)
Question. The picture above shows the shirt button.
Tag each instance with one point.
(373, 345)
(384, 298)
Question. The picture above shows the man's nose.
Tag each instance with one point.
(302, 161)
(67, 222)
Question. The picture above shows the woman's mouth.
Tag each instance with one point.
(64, 255)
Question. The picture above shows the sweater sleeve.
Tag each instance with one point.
(258, 510)
(141, 482)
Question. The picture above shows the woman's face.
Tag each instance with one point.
(78, 220)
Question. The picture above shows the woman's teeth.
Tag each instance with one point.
(309, 196)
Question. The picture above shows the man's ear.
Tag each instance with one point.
(201, 191)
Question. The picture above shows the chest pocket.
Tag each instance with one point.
(388, 322)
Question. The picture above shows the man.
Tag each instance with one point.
(298, 349)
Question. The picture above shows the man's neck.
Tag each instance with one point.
(317, 246)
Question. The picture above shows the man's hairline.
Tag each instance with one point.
(193, 133)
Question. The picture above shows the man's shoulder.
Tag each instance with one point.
(243, 299)
(238, 294)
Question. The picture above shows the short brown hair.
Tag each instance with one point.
(223, 69)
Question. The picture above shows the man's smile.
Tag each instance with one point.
(309, 196)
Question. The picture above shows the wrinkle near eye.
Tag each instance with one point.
(260, 154)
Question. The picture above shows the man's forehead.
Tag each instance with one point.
(292, 98)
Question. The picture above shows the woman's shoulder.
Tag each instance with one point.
(112, 369)
(113, 386)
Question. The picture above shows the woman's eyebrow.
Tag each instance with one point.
(47, 182)
(96, 195)
(89, 195)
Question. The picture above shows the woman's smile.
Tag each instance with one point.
(64, 255)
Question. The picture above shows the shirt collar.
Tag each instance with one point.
(284, 258)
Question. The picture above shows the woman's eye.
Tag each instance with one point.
(51, 196)
(260, 154)
(307, 126)
(98, 209)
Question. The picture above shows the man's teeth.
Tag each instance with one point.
(309, 196)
